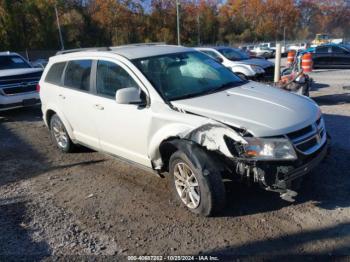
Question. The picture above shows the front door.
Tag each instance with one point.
(340, 57)
(123, 129)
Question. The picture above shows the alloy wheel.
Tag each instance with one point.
(60, 133)
(186, 185)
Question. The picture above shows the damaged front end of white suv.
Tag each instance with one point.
(276, 163)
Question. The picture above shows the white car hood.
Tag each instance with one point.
(263, 110)
(19, 71)
(255, 61)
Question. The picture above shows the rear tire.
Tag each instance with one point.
(60, 135)
(242, 76)
(200, 189)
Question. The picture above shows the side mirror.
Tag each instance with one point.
(129, 95)
(219, 59)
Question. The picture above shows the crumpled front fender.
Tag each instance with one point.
(211, 136)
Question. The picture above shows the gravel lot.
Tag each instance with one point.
(87, 203)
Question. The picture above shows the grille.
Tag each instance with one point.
(309, 139)
(269, 71)
(18, 84)
(19, 89)
(15, 79)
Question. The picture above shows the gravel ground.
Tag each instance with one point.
(87, 203)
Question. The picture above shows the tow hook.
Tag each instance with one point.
(286, 194)
(289, 195)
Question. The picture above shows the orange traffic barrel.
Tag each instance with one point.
(306, 62)
(290, 57)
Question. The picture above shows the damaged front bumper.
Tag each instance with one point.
(281, 176)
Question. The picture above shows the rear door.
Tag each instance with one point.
(77, 102)
(322, 57)
(123, 128)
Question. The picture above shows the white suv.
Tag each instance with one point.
(240, 63)
(174, 110)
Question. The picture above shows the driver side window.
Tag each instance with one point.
(111, 77)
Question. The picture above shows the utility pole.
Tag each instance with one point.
(198, 29)
(284, 37)
(59, 28)
(277, 63)
(178, 22)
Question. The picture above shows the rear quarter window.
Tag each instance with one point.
(55, 73)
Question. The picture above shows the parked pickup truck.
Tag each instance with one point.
(18, 81)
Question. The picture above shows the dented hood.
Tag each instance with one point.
(261, 109)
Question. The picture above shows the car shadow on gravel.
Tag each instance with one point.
(18, 159)
(316, 86)
(15, 237)
(290, 244)
(29, 163)
(335, 99)
(243, 199)
(329, 183)
(29, 114)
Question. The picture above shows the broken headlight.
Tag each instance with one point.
(269, 149)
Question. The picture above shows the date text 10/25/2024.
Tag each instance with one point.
(173, 258)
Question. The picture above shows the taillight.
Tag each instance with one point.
(38, 88)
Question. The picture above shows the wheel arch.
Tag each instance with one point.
(245, 70)
(209, 138)
(50, 111)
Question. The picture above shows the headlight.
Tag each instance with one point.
(269, 149)
(257, 69)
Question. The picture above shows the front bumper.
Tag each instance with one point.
(257, 77)
(286, 180)
(281, 176)
(20, 100)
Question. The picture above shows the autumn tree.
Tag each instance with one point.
(32, 23)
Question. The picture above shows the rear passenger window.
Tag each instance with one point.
(77, 74)
(322, 49)
(55, 73)
(110, 77)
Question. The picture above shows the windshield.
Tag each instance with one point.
(12, 62)
(186, 75)
(233, 54)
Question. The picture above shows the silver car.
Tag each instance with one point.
(174, 110)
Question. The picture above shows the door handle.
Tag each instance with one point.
(62, 96)
(99, 107)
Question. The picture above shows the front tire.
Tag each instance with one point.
(242, 76)
(200, 189)
(60, 135)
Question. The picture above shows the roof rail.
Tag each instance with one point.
(139, 44)
(83, 49)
